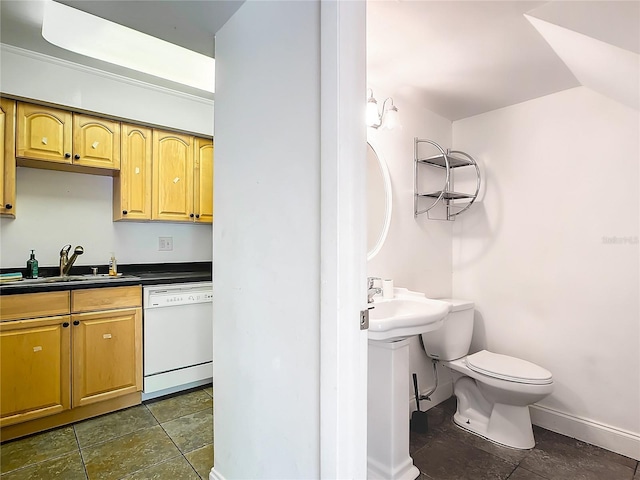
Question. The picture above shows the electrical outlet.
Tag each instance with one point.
(165, 244)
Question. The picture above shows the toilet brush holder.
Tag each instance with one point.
(419, 420)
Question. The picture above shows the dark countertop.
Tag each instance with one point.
(132, 274)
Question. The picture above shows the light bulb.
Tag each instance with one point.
(372, 117)
(391, 118)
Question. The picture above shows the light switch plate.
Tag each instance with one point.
(165, 244)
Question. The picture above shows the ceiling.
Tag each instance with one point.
(463, 58)
(190, 24)
(456, 58)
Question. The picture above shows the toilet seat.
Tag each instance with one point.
(508, 368)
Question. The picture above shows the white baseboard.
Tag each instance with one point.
(213, 475)
(613, 439)
(442, 393)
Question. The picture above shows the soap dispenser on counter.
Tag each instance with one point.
(113, 266)
(32, 266)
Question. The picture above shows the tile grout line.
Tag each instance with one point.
(91, 445)
(56, 457)
(149, 466)
(179, 450)
(84, 465)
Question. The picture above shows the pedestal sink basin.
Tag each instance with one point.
(391, 323)
(407, 314)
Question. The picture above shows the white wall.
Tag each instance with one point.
(417, 251)
(37, 76)
(561, 180)
(56, 208)
(267, 248)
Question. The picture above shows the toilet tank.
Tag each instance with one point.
(453, 339)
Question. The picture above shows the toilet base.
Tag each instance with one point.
(507, 425)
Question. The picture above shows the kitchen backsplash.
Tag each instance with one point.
(59, 208)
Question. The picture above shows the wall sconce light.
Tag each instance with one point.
(387, 119)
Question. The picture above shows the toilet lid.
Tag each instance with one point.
(508, 368)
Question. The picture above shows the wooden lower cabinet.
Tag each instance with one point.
(106, 352)
(34, 381)
(62, 368)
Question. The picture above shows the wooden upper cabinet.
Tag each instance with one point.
(203, 180)
(52, 135)
(172, 189)
(8, 152)
(96, 142)
(43, 133)
(132, 188)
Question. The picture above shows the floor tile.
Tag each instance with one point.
(175, 469)
(443, 458)
(557, 457)
(128, 454)
(191, 431)
(209, 390)
(37, 448)
(441, 423)
(522, 474)
(548, 439)
(438, 418)
(67, 467)
(174, 407)
(637, 475)
(113, 425)
(202, 460)
(508, 454)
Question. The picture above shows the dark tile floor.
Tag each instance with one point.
(447, 452)
(169, 438)
(172, 439)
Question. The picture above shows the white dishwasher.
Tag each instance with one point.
(178, 337)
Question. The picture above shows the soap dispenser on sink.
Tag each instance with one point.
(32, 266)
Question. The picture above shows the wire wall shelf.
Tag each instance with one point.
(454, 202)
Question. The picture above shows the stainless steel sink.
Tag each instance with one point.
(73, 278)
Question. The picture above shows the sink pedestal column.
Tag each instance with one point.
(388, 412)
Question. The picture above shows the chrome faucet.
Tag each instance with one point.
(65, 262)
(371, 289)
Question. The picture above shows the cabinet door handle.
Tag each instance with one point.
(65, 324)
(67, 155)
(76, 156)
(124, 212)
(76, 322)
(197, 215)
(191, 215)
(8, 206)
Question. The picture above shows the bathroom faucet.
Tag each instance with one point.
(371, 290)
(65, 262)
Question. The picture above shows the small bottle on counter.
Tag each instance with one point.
(113, 266)
(32, 266)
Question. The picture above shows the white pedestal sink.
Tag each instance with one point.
(391, 323)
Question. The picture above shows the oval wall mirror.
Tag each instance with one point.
(379, 203)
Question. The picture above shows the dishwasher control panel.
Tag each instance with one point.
(156, 297)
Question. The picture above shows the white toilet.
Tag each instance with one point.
(493, 391)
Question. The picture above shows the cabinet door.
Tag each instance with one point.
(203, 180)
(43, 133)
(34, 381)
(8, 152)
(172, 177)
(132, 189)
(107, 355)
(96, 142)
